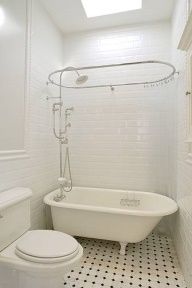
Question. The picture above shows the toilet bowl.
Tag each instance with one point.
(37, 258)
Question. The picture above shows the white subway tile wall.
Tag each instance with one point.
(39, 171)
(181, 226)
(119, 139)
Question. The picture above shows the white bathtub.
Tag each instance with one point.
(118, 215)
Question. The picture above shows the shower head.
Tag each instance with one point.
(81, 79)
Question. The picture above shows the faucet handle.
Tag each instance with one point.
(64, 141)
(68, 110)
(62, 181)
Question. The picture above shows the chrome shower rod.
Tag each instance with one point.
(60, 72)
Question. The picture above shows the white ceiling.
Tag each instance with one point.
(70, 16)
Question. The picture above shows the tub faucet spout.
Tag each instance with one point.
(59, 197)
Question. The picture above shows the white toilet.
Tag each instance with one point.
(37, 258)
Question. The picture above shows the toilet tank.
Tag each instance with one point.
(14, 214)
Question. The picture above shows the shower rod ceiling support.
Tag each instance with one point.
(164, 80)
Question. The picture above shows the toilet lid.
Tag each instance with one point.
(47, 244)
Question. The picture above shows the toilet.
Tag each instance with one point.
(36, 258)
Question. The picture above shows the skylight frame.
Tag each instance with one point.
(97, 8)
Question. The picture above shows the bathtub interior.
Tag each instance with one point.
(118, 199)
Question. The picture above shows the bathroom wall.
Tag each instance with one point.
(39, 170)
(117, 140)
(182, 192)
(120, 139)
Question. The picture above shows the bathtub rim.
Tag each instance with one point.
(48, 199)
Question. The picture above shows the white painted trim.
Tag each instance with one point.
(13, 154)
(188, 8)
(17, 154)
(188, 140)
(189, 105)
(185, 44)
(186, 38)
(189, 158)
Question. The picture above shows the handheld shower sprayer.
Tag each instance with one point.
(65, 179)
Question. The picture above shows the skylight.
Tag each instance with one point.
(94, 8)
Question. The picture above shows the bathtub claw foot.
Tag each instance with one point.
(123, 248)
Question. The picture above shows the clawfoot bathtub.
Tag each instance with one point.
(118, 215)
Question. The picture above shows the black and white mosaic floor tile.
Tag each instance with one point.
(150, 264)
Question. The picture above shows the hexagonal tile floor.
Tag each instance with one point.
(152, 263)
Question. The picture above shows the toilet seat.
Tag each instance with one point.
(46, 246)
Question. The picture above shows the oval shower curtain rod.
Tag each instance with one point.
(60, 72)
